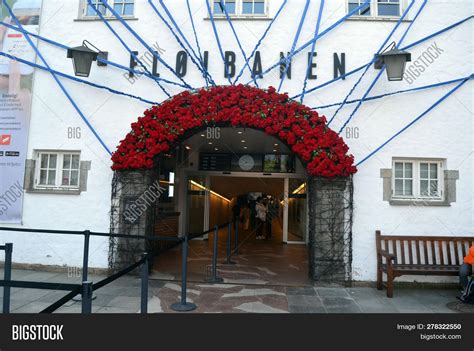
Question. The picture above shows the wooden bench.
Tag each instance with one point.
(399, 255)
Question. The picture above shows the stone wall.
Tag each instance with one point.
(330, 225)
(130, 217)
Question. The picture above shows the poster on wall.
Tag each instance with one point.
(16, 81)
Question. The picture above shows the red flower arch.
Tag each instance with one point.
(321, 149)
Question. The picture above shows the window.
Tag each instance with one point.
(253, 7)
(417, 179)
(58, 170)
(364, 11)
(122, 7)
(388, 7)
(229, 6)
(376, 8)
(403, 179)
(237, 8)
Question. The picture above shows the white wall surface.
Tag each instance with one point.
(446, 132)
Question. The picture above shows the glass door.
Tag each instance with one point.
(297, 211)
(197, 204)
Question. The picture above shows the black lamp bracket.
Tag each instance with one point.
(101, 54)
(378, 64)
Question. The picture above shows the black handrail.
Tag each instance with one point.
(55, 305)
(38, 285)
(76, 289)
(85, 232)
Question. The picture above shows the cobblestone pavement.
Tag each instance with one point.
(123, 296)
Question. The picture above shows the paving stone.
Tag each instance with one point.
(306, 309)
(124, 301)
(330, 292)
(52, 296)
(30, 294)
(338, 302)
(346, 309)
(304, 300)
(123, 296)
(388, 309)
(76, 308)
(33, 307)
(308, 291)
(102, 299)
(374, 303)
(117, 310)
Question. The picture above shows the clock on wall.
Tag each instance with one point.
(246, 162)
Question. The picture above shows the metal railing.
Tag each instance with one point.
(86, 289)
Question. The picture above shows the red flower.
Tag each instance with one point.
(321, 149)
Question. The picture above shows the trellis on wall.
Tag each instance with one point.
(127, 188)
(330, 229)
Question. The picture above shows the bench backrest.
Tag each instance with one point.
(425, 250)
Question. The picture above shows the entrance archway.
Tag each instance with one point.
(162, 129)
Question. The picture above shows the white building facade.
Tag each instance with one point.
(419, 183)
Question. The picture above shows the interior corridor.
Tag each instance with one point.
(259, 262)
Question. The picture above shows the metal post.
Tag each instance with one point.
(144, 275)
(86, 297)
(7, 277)
(183, 305)
(236, 250)
(85, 262)
(229, 245)
(85, 258)
(214, 278)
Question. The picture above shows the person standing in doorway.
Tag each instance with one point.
(271, 213)
(261, 216)
(246, 216)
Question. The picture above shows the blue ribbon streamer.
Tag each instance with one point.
(404, 48)
(316, 31)
(86, 121)
(295, 41)
(83, 81)
(444, 97)
(157, 56)
(197, 42)
(375, 97)
(100, 59)
(201, 67)
(238, 41)
(323, 33)
(130, 51)
(261, 39)
(381, 71)
(367, 68)
(218, 41)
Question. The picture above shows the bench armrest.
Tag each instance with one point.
(390, 257)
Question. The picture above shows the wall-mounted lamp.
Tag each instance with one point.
(394, 61)
(82, 58)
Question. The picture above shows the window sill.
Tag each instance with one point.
(376, 19)
(55, 191)
(240, 18)
(418, 202)
(95, 19)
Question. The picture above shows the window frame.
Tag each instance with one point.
(108, 15)
(416, 179)
(59, 170)
(239, 11)
(374, 11)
